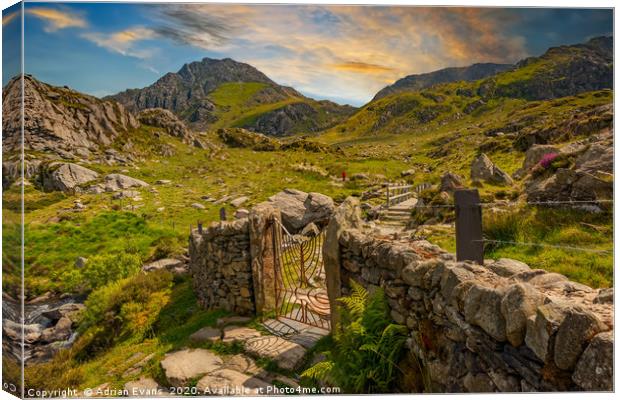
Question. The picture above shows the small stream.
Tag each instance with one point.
(34, 320)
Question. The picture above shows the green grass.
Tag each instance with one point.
(235, 94)
(176, 321)
(556, 227)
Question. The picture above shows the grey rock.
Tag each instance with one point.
(542, 326)
(604, 296)
(229, 382)
(533, 155)
(286, 354)
(299, 208)
(66, 176)
(114, 182)
(80, 262)
(64, 123)
(68, 310)
(180, 367)
(241, 213)
(144, 387)
(483, 308)
(507, 267)
(60, 331)
(478, 383)
(239, 201)
(206, 335)
(164, 263)
(595, 368)
(518, 304)
(450, 182)
(483, 169)
(575, 332)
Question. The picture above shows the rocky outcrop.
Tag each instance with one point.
(533, 156)
(165, 119)
(298, 208)
(582, 172)
(60, 120)
(498, 327)
(483, 170)
(421, 81)
(299, 117)
(114, 182)
(238, 137)
(450, 182)
(563, 71)
(66, 177)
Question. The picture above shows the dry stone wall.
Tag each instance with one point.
(221, 267)
(498, 327)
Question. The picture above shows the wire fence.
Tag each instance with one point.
(475, 218)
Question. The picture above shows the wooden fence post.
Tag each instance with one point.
(469, 243)
(222, 214)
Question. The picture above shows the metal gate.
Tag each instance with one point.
(301, 291)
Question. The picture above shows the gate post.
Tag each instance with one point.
(469, 243)
(262, 254)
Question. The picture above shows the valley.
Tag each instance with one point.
(127, 176)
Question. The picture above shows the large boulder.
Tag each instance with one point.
(165, 119)
(299, 208)
(450, 182)
(66, 177)
(533, 155)
(483, 169)
(114, 182)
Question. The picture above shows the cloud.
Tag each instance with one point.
(334, 48)
(56, 19)
(7, 18)
(361, 67)
(123, 42)
(194, 25)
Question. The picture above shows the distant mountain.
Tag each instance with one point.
(561, 72)
(225, 93)
(423, 81)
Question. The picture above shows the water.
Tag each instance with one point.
(33, 316)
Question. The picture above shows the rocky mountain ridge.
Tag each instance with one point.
(260, 104)
(445, 75)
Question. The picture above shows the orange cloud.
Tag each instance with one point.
(56, 19)
(6, 19)
(361, 67)
(122, 42)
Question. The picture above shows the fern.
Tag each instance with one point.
(367, 345)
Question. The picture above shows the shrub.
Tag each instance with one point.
(166, 247)
(367, 346)
(124, 309)
(105, 268)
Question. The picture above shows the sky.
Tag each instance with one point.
(342, 53)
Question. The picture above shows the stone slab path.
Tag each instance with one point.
(236, 374)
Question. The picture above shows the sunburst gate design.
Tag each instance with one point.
(301, 292)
